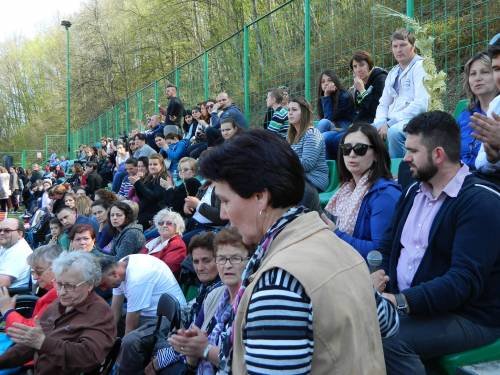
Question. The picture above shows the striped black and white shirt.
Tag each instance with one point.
(278, 335)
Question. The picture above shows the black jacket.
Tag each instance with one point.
(366, 105)
(152, 198)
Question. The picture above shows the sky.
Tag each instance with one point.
(30, 17)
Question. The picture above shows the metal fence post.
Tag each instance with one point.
(178, 81)
(206, 82)
(157, 96)
(410, 8)
(246, 73)
(307, 50)
(127, 118)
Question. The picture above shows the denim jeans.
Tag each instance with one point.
(423, 338)
(396, 140)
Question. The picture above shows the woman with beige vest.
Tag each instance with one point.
(306, 303)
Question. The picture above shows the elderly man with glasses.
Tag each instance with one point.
(14, 270)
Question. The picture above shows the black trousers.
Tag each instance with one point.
(421, 339)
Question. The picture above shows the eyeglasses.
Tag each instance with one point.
(162, 223)
(359, 149)
(184, 170)
(235, 259)
(7, 230)
(68, 287)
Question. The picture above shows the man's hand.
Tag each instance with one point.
(382, 131)
(32, 337)
(379, 280)
(390, 297)
(486, 129)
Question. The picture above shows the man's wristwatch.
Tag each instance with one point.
(402, 303)
(207, 350)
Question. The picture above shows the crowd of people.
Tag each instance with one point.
(199, 200)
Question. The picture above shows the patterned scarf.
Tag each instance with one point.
(226, 336)
(346, 203)
(223, 315)
(203, 291)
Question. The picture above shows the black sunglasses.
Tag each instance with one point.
(360, 149)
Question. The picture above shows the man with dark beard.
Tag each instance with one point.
(442, 254)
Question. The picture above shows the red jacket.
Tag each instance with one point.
(40, 306)
(173, 254)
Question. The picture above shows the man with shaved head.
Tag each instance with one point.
(227, 110)
(14, 270)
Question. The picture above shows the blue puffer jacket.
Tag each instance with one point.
(374, 217)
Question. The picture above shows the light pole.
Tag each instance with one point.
(67, 25)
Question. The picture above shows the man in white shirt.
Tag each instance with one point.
(142, 279)
(404, 95)
(14, 271)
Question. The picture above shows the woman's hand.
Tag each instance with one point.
(191, 203)
(331, 224)
(330, 89)
(191, 342)
(134, 179)
(6, 301)
(32, 337)
(166, 184)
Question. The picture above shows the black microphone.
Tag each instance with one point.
(374, 260)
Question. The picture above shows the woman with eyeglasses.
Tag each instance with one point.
(168, 246)
(75, 332)
(40, 262)
(202, 351)
(364, 204)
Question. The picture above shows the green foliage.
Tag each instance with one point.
(120, 47)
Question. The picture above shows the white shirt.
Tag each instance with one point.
(146, 279)
(13, 263)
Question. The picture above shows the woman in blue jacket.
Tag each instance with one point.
(480, 88)
(365, 202)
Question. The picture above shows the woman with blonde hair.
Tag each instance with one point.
(480, 88)
(83, 205)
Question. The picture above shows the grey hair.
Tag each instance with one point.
(173, 216)
(84, 263)
(44, 254)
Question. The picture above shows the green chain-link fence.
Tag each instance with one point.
(292, 44)
(55, 143)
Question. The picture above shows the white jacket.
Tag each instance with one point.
(412, 99)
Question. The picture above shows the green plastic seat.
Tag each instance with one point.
(395, 166)
(459, 108)
(333, 183)
(451, 362)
